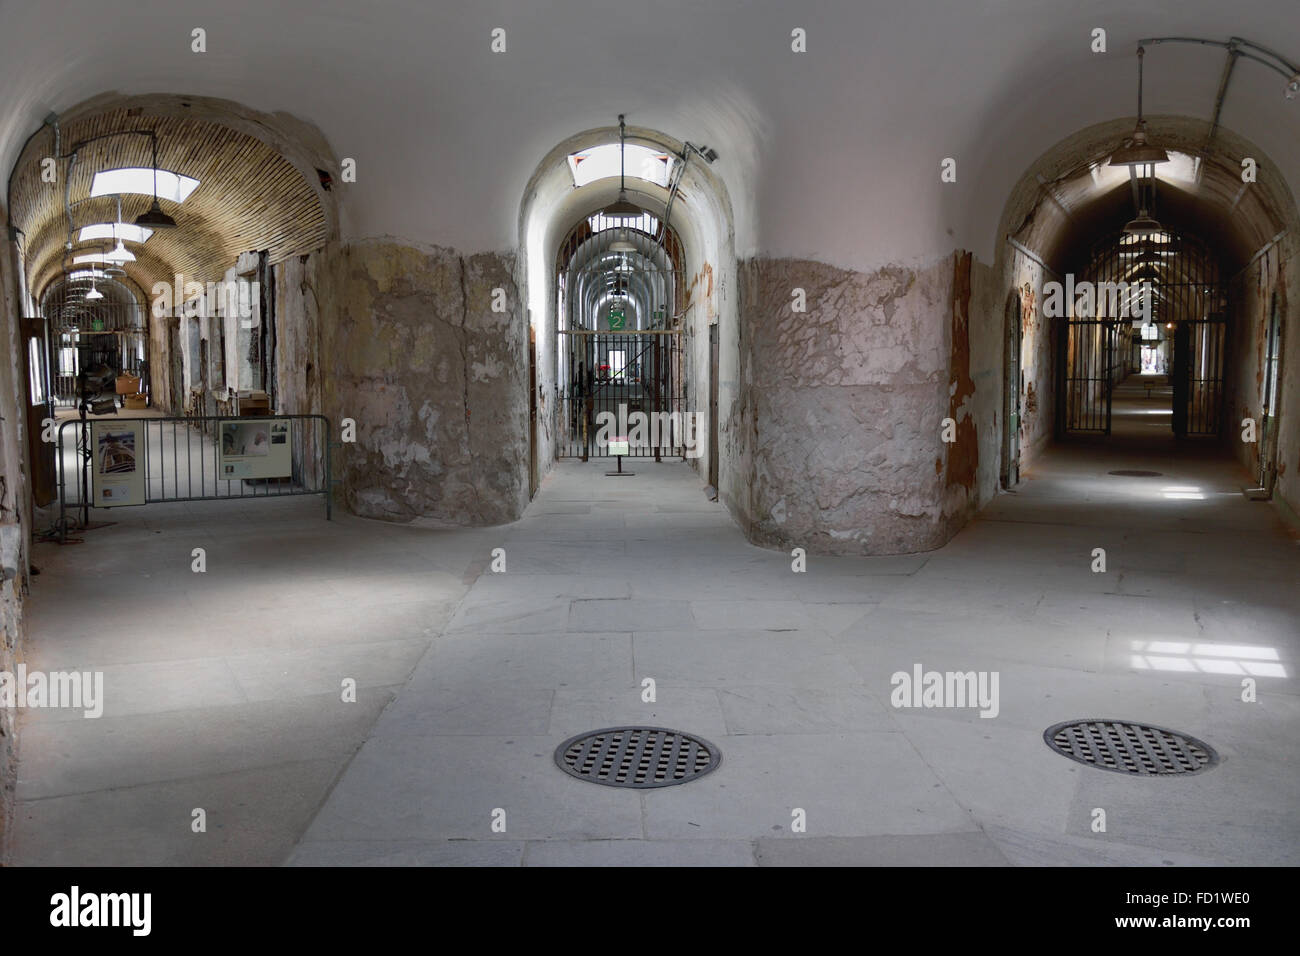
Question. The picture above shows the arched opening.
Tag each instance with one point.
(629, 314)
(1148, 298)
(149, 272)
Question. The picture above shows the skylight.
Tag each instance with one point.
(646, 223)
(602, 162)
(96, 257)
(86, 274)
(139, 179)
(125, 230)
(1181, 167)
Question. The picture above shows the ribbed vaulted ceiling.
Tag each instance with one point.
(249, 198)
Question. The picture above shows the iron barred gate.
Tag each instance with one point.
(621, 357)
(1184, 337)
(614, 376)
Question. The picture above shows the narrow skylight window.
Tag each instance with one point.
(602, 162)
(646, 223)
(96, 257)
(125, 230)
(139, 179)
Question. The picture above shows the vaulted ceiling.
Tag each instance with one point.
(248, 198)
(831, 154)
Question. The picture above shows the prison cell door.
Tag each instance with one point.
(1198, 376)
(532, 412)
(176, 366)
(714, 450)
(1011, 398)
(1272, 383)
(1088, 363)
(40, 405)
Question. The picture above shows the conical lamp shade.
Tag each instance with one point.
(1143, 225)
(622, 209)
(120, 254)
(155, 218)
(1137, 151)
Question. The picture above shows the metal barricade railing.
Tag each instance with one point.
(183, 458)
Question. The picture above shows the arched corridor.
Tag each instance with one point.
(853, 425)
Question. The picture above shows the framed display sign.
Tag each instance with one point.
(254, 448)
(618, 445)
(119, 463)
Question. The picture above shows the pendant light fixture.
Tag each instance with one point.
(622, 208)
(93, 293)
(120, 253)
(1143, 225)
(1137, 151)
(1141, 158)
(155, 218)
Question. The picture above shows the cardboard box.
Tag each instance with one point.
(128, 384)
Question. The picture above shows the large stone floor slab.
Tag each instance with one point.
(640, 602)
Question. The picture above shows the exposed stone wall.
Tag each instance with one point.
(410, 348)
(1275, 272)
(843, 405)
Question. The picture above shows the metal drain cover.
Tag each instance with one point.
(637, 757)
(1129, 747)
(1133, 473)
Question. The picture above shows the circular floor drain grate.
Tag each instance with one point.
(1130, 473)
(1128, 747)
(637, 757)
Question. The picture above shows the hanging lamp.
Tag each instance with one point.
(120, 253)
(1136, 151)
(622, 208)
(1143, 225)
(155, 218)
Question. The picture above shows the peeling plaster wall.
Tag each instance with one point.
(1018, 280)
(436, 381)
(1038, 394)
(844, 404)
(14, 507)
(1277, 271)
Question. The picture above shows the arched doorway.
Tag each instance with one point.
(151, 268)
(643, 293)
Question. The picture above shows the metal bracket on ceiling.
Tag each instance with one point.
(1238, 47)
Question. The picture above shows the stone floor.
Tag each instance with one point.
(224, 688)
